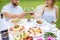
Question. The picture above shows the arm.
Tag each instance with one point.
(38, 12)
(9, 15)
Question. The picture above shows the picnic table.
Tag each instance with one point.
(46, 27)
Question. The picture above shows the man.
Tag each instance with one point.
(12, 10)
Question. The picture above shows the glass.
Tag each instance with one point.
(29, 13)
(26, 9)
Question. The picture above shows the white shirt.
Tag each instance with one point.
(49, 16)
(3, 25)
(13, 10)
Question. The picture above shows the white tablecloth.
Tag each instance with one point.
(46, 27)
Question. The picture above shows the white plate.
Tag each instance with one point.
(43, 23)
(38, 35)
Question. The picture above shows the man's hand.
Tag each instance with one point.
(22, 15)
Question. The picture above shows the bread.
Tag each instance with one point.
(39, 21)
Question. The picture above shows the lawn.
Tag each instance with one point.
(30, 5)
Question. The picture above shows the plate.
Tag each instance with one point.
(14, 30)
(35, 32)
(43, 23)
(16, 20)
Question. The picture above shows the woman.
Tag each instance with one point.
(48, 12)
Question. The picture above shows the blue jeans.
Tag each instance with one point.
(4, 35)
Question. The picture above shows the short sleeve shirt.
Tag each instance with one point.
(13, 10)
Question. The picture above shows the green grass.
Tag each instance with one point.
(30, 3)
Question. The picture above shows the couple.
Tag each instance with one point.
(48, 12)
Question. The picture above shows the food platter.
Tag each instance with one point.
(16, 20)
(20, 30)
(16, 29)
(35, 30)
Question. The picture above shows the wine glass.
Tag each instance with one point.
(29, 13)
